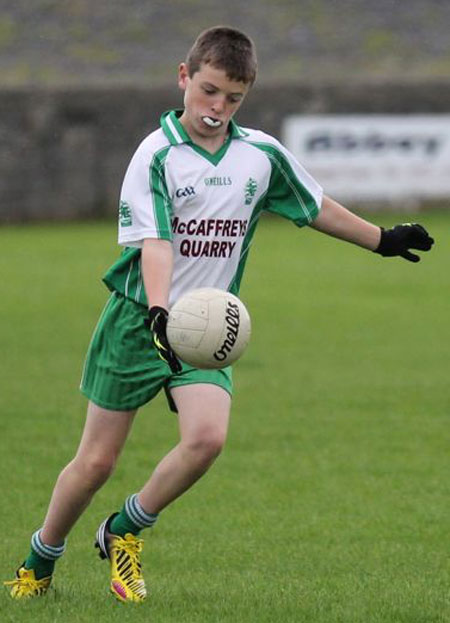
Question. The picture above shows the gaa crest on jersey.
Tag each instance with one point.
(125, 217)
(187, 191)
(250, 190)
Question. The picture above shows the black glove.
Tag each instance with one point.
(401, 238)
(157, 323)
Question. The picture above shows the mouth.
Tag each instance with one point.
(211, 122)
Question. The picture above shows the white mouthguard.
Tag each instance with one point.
(213, 123)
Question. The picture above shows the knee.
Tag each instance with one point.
(95, 469)
(206, 444)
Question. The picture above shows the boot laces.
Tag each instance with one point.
(26, 584)
(132, 547)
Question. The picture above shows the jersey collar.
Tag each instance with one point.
(177, 135)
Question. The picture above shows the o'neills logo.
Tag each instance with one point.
(232, 321)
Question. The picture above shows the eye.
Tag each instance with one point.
(209, 91)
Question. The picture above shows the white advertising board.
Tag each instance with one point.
(374, 157)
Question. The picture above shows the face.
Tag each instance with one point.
(210, 100)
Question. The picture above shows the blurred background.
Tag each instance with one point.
(359, 91)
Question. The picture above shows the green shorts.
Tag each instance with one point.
(123, 371)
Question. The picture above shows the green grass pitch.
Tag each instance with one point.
(330, 502)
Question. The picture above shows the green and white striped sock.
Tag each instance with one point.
(42, 556)
(132, 518)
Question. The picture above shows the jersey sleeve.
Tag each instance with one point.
(292, 192)
(145, 206)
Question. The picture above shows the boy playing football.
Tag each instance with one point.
(189, 204)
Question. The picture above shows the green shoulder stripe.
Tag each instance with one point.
(162, 205)
(287, 195)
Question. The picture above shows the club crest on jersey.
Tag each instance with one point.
(125, 216)
(250, 190)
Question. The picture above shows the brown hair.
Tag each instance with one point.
(224, 48)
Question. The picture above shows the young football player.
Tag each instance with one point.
(189, 205)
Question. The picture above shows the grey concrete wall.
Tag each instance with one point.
(64, 152)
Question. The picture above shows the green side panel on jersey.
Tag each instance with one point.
(236, 282)
(286, 195)
(124, 276)
(161, 201)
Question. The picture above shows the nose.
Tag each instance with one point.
(218, 106)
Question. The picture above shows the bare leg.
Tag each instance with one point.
(103, 438)
(203, 411)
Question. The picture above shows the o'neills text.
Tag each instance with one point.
(232, 319)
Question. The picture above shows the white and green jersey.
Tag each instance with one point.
(208, 205)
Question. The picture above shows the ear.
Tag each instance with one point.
(183, 76)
